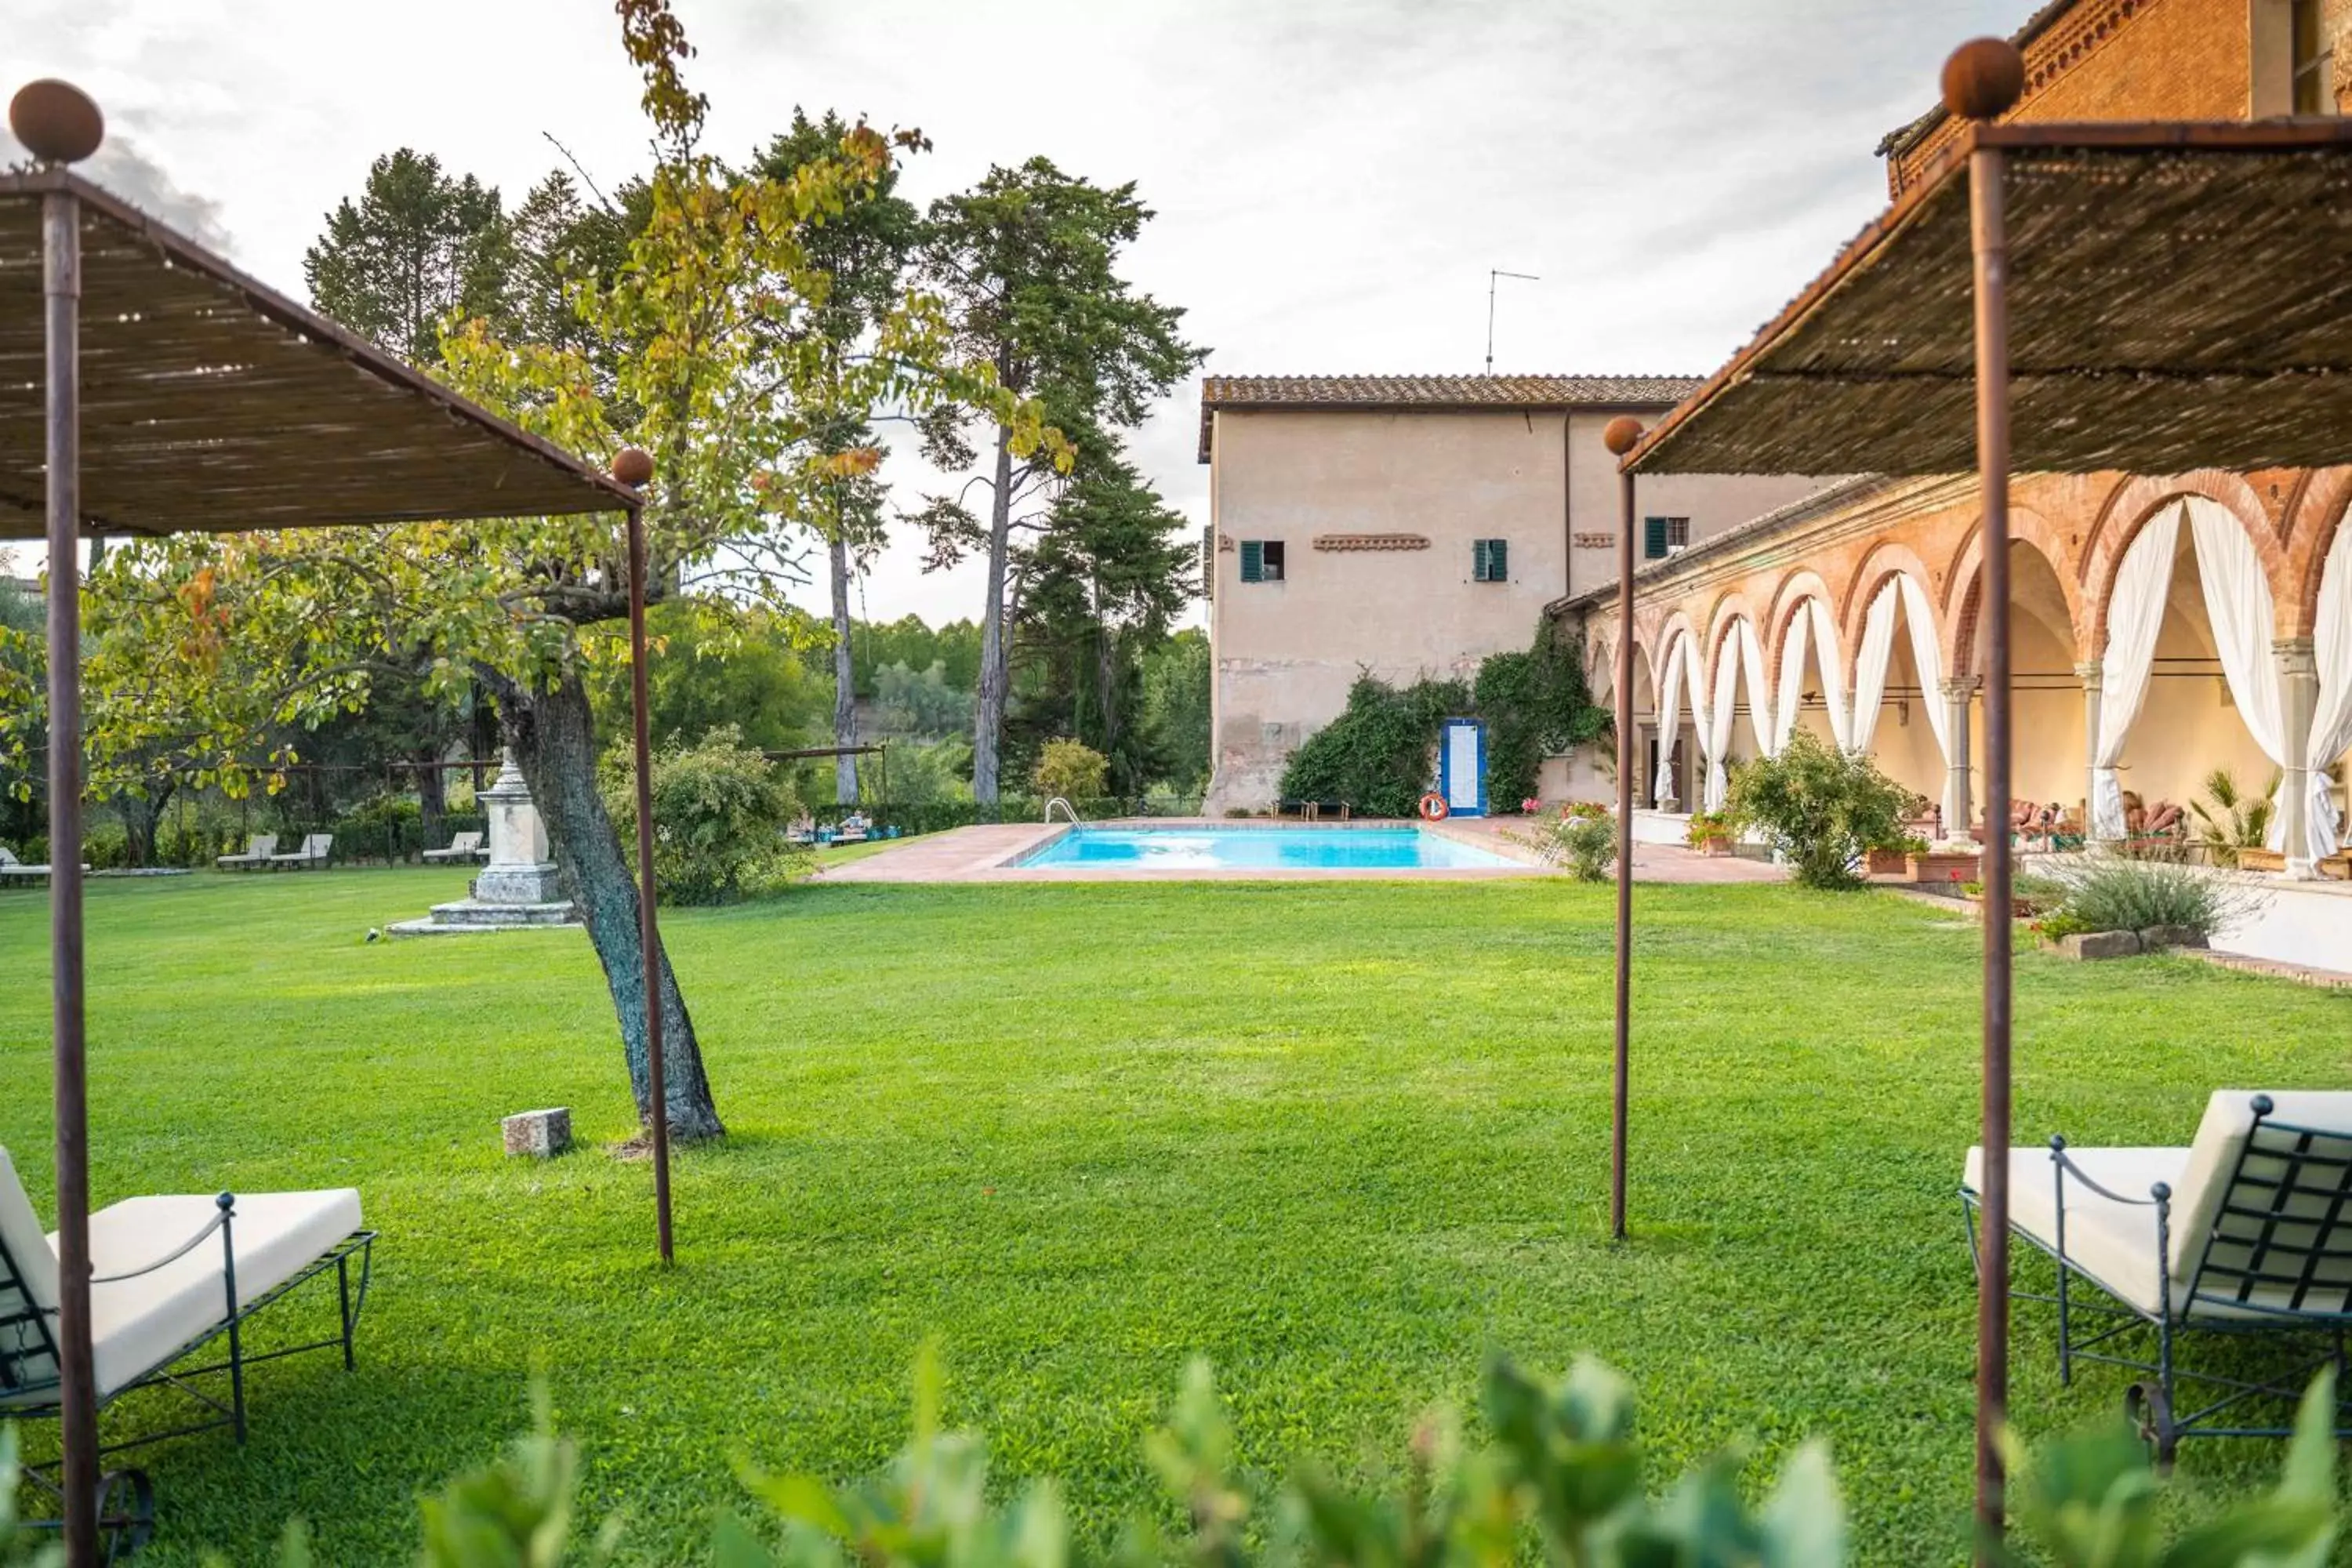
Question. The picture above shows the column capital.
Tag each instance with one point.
(2092, 674)
(2295, 656)
(1959, 688)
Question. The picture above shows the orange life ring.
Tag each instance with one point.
(1434, 808)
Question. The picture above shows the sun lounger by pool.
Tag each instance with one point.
(257, 851)
(312, 856)
(172, 1276)
(2247, 1230)
(465, 846)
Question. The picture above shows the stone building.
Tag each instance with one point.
(2163, 626)
(1409, 526)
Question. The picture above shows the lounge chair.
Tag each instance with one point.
(257, 851)
(314, 853)
(15, 870)
(465, 846)
(163, 1290)
(2248, 1230)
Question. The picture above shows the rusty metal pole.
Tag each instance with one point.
(76, 1395)
(633, 468)
(1981, 82)
(1618, 438)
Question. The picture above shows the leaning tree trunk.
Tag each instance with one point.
(555, 747)
(432, 801)
(844, 676)
(143, 819)
(988, 711)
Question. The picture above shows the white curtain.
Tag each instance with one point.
(1670, 719)
(1718, 740)
(2237, 603)
(2331, 722)
(1791, 684)
(1921, 620)
(1702, 726)
(1870, 670)
(1760, 692)
(2135, 614)
(1831, 660)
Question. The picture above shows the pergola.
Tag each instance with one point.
(2145, 298)
(148, 387)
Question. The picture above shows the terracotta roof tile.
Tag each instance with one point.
(1438, 391)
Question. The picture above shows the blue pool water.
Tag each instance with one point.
(1261, 848)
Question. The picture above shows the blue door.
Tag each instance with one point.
(1461, 767)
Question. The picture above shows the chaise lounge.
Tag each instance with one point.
(15, 870)
(2247, 1231)
(316, 850)
(464, 846)
(163, 1290)
(257, 851)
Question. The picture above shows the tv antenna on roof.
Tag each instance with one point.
(1492, 274)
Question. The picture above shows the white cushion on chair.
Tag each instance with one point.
(141, 1324)
(28, 1249)
(2116, 1244)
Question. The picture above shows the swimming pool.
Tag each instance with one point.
(1289, 848)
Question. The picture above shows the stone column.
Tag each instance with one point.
(2298, 670)
(2093, 677)
(1957, 812)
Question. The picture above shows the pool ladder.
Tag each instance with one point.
(1067, 810)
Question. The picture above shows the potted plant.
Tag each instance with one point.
(1709, 833)
(1947, 861)
(1893, 861)
(2232, 823)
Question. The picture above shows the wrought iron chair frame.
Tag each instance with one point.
(26, 1338)
(2155, 1406)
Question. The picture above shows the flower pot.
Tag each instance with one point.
(1934, 868)
(1714, 845)
(2336, 867)
(1886, 863)
(2252, 859)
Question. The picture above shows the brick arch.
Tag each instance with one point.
(1799, 586)
(1959, 608)
(1730, 608)
(1885, 560)
(2326, 506)
(2136, 500)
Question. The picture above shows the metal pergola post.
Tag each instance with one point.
(634, 468)
(1981, 80)
(77, 1382)
(1618, 438)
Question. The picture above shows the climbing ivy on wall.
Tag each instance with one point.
(1379, 754)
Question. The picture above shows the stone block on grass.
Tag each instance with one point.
(543, 1134)
(2156, 939)
(2094, 944)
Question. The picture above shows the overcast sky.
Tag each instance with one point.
(1333, 178)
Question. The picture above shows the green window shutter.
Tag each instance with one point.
(1253, 560)
(1478, 568)
(1653, 537)
(1498, 561)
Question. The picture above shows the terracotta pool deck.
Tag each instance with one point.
(981, 855)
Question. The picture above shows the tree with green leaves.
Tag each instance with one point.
(694, 348)
(1108, 576)
(1028, 261)
(864, 250)
(419, 245)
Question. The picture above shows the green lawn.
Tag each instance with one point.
(1341, 1138)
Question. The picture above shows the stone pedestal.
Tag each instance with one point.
(519, 888)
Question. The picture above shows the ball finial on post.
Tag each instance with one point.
(1984, 78)
(1621, 433)
(56, 121)
(633, 465)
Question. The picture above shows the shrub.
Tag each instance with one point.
(1706, 825)
(1582, 838)
(1376, 754)
(1072, 770)
(1535, 705)
(1820, 806)
(2113, 892)
(2234, 820)
(719, 814)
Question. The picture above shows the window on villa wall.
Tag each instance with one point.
(1261, 561)
(1490, 560)
(2312, 59)
(1662, 536)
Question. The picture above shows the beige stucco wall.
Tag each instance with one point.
(1285, 653)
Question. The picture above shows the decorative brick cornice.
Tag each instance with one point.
(1371, 541)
